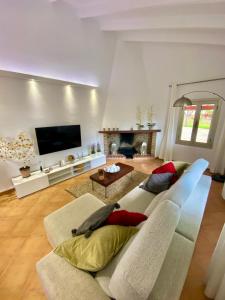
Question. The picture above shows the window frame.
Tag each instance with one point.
(213, 127)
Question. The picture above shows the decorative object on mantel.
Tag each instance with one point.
(150, 114)
(19, 149)
(139, 118)
(186, 101)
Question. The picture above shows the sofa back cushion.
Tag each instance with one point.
(182, 189)
(138, 269)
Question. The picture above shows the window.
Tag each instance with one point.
(197, 123)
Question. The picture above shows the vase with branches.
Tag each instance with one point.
(139, 118)
(19, 149)
(150, 114)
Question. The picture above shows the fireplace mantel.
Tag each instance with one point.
(135, 131)
(140, 135)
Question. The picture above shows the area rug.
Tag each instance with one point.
(114, 192)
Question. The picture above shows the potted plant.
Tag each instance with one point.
(19, 149)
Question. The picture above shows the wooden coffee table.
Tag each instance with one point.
(110, 178)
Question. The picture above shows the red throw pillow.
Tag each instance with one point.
(174, 178)
(167, 168)
(125, 218)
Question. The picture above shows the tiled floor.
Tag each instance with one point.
(23, 240)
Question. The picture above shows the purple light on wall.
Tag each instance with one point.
(47, 76)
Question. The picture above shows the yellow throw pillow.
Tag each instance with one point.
(94, 253)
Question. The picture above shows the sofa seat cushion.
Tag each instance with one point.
(61, 281)
(174, 270)
(58, 225)
(136, 200)
(139, 267)
(193, 209)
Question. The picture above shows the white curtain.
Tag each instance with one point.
(169, 138)
(215, 282)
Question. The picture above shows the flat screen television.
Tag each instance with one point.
(58, 138)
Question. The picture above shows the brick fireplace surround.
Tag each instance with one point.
(113, 136)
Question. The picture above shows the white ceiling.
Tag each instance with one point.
(171, 21)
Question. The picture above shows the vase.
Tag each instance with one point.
(25, 171)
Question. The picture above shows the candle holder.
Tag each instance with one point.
(101, 174)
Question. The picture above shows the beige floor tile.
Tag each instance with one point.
(11, 245)
(33, 295)
(7, 225)
(11, 294)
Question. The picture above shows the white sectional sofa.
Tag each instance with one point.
(153, 264)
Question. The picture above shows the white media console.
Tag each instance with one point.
(40, 180)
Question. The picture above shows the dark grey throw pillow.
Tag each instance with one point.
(157, 183)
(95, 220)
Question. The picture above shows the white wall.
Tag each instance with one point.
(128, 87)
(25, 105)
(47, 39)
(142, 73)
(166, 63)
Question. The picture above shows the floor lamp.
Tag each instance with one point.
(180, 102)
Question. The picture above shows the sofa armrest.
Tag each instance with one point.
(62, 281)
(138, 269)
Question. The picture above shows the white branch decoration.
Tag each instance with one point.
(19, 149)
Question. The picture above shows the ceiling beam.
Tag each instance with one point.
(97, 8)
(164, 22)
(175, 36)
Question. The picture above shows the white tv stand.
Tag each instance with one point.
(40, 180)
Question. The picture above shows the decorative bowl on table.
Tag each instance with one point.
(112, 169)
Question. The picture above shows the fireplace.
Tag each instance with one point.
(129, 143)
(126, 146)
